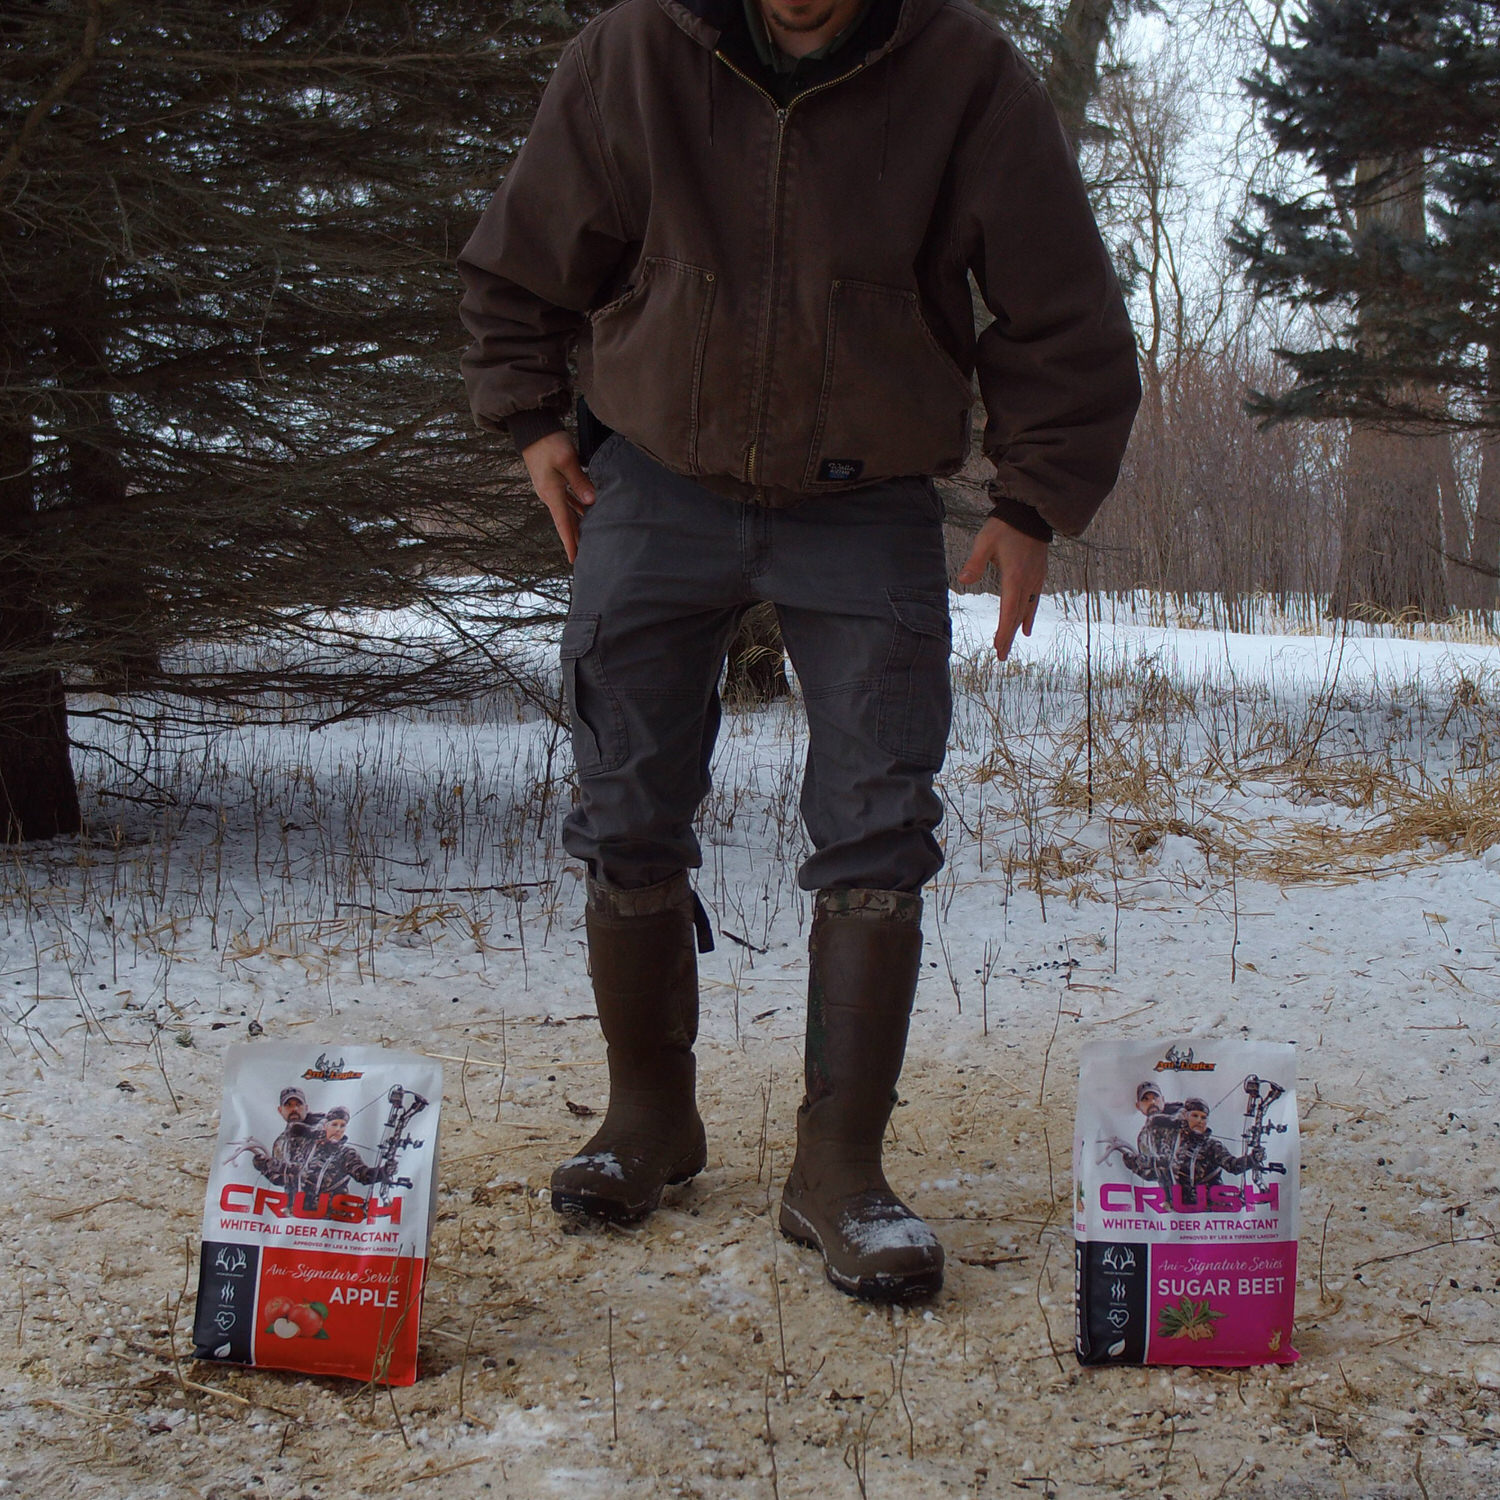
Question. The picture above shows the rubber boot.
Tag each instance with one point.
(645, 972)
(865, 951)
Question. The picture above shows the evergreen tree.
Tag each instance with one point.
(1396, 104)
(1371, 89)
(230, 408)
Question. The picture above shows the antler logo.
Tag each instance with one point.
(230, 1261)
(330, 1068)
(1180, 1060)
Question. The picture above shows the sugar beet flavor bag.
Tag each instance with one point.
(1185, 1166)
(319, 1211)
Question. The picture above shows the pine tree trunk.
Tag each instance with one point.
(757, 668)
(1484, 549)
(1391, 550)
(1391, 547)
(1484, 556)
(38, 797)
(1073, 69)
(114, 614)
(1456, 538)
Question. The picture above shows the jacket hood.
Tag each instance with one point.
(705, 20)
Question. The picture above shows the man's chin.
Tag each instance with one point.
(801, 20)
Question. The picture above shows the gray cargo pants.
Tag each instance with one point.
(665, 569)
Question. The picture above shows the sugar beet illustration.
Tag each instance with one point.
(1188, 1320)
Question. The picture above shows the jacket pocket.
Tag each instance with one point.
(646, 361)
(916, 697)
(893, 401)
(600, 741)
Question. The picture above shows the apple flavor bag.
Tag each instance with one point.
(319, 1211)
(1185, 1164)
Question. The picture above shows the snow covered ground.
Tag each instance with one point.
(1286, 837)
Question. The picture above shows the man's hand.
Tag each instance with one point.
(1021, 561)
(560, 483)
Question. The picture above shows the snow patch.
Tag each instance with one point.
(871, 1236)
(605, 1163)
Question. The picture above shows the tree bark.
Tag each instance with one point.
(1455, 522)
(1391, 549)
(38, 796)
(1484, 556)
(113, 615)
(1391, 552)
(1484, 548)
(1467, 586)
(1073, 68)
(757, 668)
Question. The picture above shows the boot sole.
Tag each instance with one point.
(915, 1286)
(582, 1204)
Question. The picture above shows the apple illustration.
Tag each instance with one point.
(278, 1307)
(284, 1328)
(309, 1317)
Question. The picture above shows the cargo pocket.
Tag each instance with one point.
(645, 362)
(598, 723)
(893, 401)
(916, 699)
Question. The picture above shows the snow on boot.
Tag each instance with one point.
(645, 972)
(865, 953)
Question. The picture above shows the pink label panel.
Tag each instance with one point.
(1222, 1304)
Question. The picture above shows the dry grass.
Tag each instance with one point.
(1461, 814)
(1291, 787)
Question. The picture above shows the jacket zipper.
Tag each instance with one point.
(763, 362)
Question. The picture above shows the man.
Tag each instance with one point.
(332, 1162)
(1199, 1160)
(1157, 1138)
(283, 1164)
(757, 220)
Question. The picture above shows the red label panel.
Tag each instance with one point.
(331, 1314)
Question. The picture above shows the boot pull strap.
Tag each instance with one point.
(702, 926)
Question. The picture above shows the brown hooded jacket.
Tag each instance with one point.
(773, 297)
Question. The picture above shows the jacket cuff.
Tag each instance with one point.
(1025, 518)
(527, 426)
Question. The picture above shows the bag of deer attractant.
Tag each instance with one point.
(319, 1211)
(1185, 1165)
